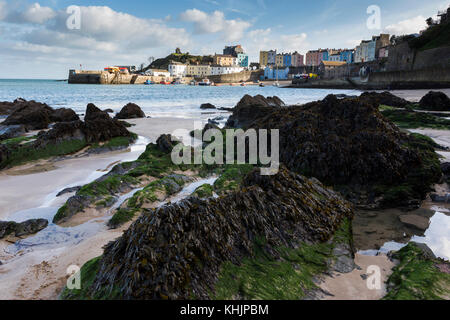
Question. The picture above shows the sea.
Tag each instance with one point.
(156, 100)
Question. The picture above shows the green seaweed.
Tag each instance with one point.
(417, 277)
(204, 191)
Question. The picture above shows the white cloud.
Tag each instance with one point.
(37, 14)
(408, 26)
(3, 12)
(204, 23)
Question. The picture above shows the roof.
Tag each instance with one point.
(333, 63)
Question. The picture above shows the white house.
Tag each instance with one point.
(177, 69)
(158, 73)
(217, 70)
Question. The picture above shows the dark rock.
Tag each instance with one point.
(207, 106)
(34, 115)
(68, 190)
(61, 132)
(130, 111)
(94, 113)
(383, 98)
(188, 241)
(6, 108)
(438, 198)
(64, 115)
(445, 167)
(4, 153)
(13, 131)
(166, 143)
(349, 144)
(26, 228)
(109, 110)
(100, 130)
(30, 227)
(251, 108)
(435, 101)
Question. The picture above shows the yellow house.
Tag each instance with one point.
(263, 58)
(279, 60)
(224, 60)
(198, 70)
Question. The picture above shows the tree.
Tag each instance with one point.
(430, 22)
(178, 51)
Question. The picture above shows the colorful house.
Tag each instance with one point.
(276, 73)
(297, 59)
(287, 59)
(242, 60)
(347, 56)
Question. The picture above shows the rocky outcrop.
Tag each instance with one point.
(347, 143)
(33, 115)
(22, 229)
(206, 106)
(435, 101)
(176, 251)
(166, 143)
(94, 113)
(250, 108)
(130, 111)
(64, 115)
(9, 132)
(384, 98)
(37, 116)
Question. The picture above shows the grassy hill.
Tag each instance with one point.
(163, 63)
(434, 37)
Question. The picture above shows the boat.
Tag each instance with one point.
(192, 83)
(262, 85)
(148, 82)
(165, 82)
(204, 82)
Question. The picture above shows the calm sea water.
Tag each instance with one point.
(155, 100)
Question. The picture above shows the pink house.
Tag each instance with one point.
(383, 53)
(314, 57)
(297, 60)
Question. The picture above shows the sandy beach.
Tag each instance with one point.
(41, 274)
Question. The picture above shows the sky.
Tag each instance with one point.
(43, 40)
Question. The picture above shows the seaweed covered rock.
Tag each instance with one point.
(130, 111)
(383, 98)
(94, 113)
(435, 101)
(251, 108)
(349, 144)
(25, 228)
(419, 275)
(176, 251)
(34, 115)
(206, 106)
(13, 131)
(64, 115)
(166, 143)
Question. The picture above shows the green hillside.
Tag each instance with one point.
(163, 63)
(434, 37)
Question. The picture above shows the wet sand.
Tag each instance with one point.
(354, 285)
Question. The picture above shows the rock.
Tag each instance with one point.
(251, 108)
(6, 108)
(30, 227)
(435, 101)
(415, 221)
(109, 110)
(426, 251)
(207, 106)
(383, 98)
(438, 198)
(94, 113)
(68, 190)
(31, 114)
(349, 144)
(188, 241)
(344, 262)
(64, 115)
(4, 153)
(445, 167)
(166, 143)
(13, 131)
(26, 228)
(60, 132)
(130, 111)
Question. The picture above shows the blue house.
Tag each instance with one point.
(274, 73)
(347, 56)
(242, 60)
(287, 60)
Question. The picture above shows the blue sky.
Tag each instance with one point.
(35, 42)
